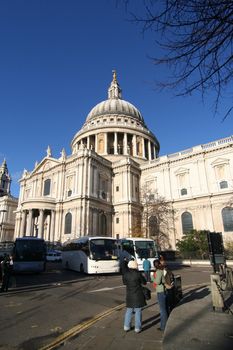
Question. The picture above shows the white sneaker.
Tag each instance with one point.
(137, 330)
(126, 329)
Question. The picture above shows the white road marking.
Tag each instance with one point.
(105, 289)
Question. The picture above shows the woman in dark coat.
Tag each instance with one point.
(135, 300)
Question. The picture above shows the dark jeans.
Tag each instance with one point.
(147, 275)
(170, 299)
(162, 300)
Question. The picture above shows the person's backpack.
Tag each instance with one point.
(169, 279)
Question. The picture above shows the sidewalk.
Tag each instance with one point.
(193, 325)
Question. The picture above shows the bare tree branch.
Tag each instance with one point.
(196, 37)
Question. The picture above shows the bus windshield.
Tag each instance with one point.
(29, 250)
(145, 249)
(103, 249)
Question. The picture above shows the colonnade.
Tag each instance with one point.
(118, 143)
(38, 223)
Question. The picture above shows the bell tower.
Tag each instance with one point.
(5, 180)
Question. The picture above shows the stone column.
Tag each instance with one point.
(96, 142)
(52, 232)
(149, 150)
(115, 143)
(154, 152)
(134, 141)
(29, 223)
(48, 238)
(23, 223)
(105, 143)
(143, 147)
(125, 151)
(41, 224)
(88, 142)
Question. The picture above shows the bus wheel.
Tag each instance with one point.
(81, 268)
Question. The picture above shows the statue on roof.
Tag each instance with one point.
(49, 153)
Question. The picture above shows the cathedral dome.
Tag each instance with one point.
(115, 128)
(114, 105)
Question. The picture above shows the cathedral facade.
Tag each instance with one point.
(97, 189)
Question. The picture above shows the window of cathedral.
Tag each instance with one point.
(183, 191)
(103, 195)
(187, 222)
(117, 188)
(103, 225)
(117, 220)
(153, 226)
(227, 218)
(223, 184)
(68, 223)
(47, 185)
(126, 120)
(151, 197)
(69, 193)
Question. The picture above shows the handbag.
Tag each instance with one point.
(146, 293)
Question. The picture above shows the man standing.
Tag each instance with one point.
(147, 267)
(135, 299)
(6, 268)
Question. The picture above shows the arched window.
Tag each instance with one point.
(68, 223)
(47, 185)
(153, 226)
(227, 218)
(103, 225)
(187, 222)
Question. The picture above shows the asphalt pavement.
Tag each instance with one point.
(192, 325)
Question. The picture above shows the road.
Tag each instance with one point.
(40, 307)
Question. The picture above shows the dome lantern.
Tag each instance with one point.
(114, 91)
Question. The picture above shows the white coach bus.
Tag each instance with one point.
(138, 249)
(91, 255)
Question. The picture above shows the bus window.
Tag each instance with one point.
(103, 249)
(84, 247)
(128, 247)
(145, 249)
(29, 254)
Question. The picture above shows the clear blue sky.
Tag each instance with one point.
(56, 62)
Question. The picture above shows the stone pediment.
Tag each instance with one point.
(46, 164)
(220, 161)
(181, 171)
